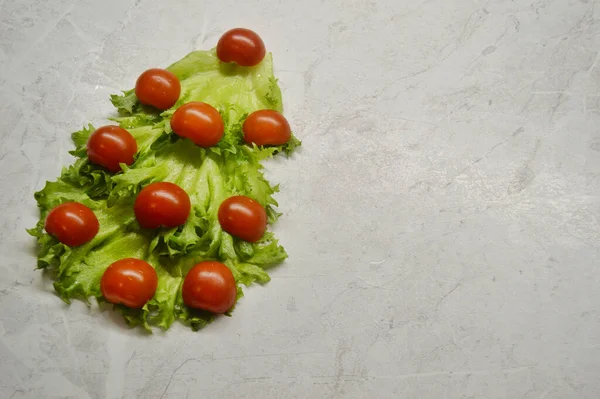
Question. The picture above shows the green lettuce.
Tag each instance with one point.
(208, 175)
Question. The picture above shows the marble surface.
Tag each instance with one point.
(442, 218)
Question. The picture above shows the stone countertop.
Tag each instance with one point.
(442, 218)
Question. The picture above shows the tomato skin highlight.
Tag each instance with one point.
(209, 286)
(162, 204)
(266, 127)
(158, 88)
(130, 282)
(242, 46)
(72, 223)
(243, 217)
(199, 122)
(110, 145)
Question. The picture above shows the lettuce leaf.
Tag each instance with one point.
(208, 176)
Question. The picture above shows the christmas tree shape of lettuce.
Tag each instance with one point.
(208, 176)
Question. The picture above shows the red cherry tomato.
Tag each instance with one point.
(110, 145)
(72, 223)
(162, 204)
(243, 217)
(158, 88)
(266, 127)
(199, 122)
(209, 286)
(131, 282)
(242, 46)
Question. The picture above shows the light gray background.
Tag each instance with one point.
(442, 218)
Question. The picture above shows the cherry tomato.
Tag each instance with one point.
(162, 204)
(158, 88)
(131, 282)
(110, 145)
(72, 223)
(266, 127)
(199, 122)
(242, 46)
(209, 286)
(243, 217)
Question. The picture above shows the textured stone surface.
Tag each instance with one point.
(442, 218)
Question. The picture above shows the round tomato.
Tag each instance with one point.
(110, 145)
(131, 282)
(199, 122)
(242, 46)
(162, 204)
(209, 286)
(266, 127)
(243, 217)
(72, 223)
(158, 88)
